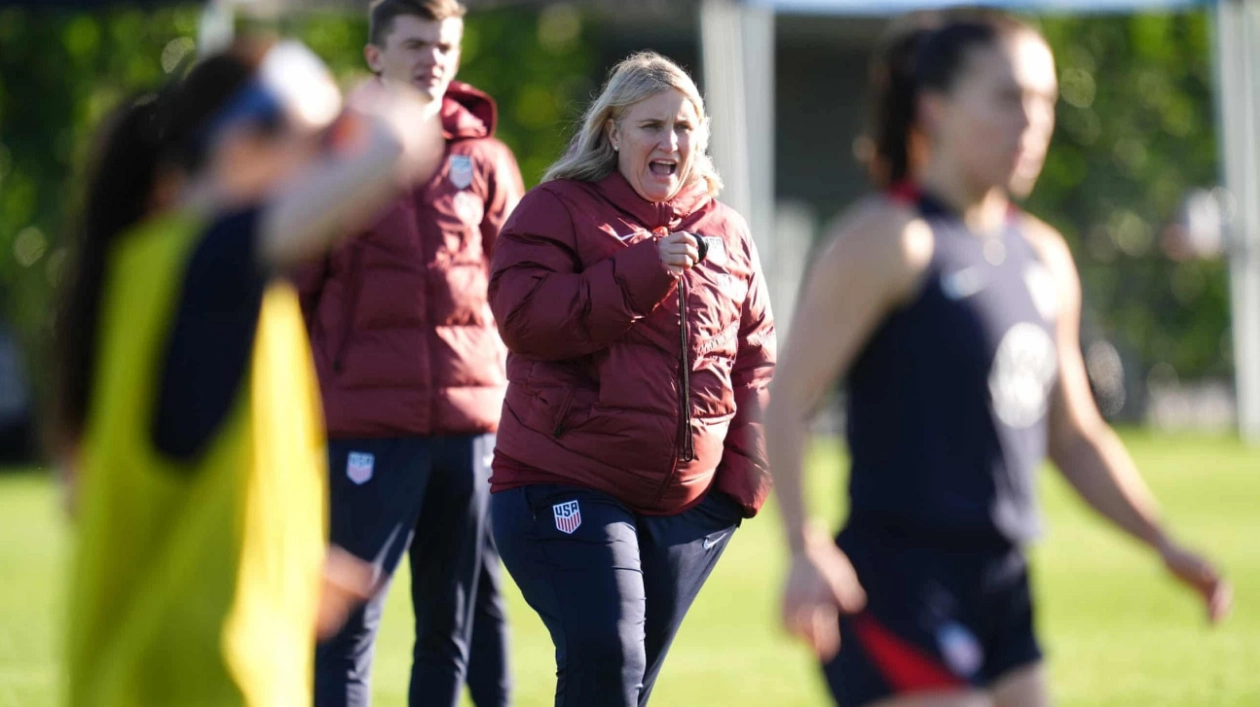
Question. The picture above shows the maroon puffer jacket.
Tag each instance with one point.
(404, 341)
(602, 392)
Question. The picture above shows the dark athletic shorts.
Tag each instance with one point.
(943, 613)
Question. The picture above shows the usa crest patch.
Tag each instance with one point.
(568, 516)
(359, 467)
(461, 171)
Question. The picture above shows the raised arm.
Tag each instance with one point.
(1090, 455)
(395, 138)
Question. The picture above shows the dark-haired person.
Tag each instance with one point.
(955, 326)
(894, 146)
(186, 407)
(412, 372)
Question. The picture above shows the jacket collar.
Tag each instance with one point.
(467, 112)
(690, 199)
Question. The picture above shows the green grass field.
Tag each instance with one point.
(1117, 633)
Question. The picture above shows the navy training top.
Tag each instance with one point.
(947, 408)
(212, 337)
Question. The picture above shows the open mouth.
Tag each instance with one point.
(663, 168)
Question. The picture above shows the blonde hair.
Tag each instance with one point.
(591, 157)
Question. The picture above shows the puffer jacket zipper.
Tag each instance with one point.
(354, 285)
(685, 445)
(687, 449)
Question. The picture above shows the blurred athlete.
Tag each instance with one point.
(412, 372)
(954, 320)
(187, 406)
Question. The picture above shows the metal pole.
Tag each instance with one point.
(721, 52)
(757, 38)
(737, 50)
(217, 27)
(1238, 74)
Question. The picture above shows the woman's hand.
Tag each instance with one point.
(678, 252)
(821, 585)
(1197, 573)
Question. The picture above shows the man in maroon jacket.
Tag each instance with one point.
(412, 372)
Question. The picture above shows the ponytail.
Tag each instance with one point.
(894, 95)
(121, 178)
(143, 138)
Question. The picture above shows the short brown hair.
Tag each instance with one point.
(381, 14)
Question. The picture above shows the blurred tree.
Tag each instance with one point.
(62, 72)
(1137, 131)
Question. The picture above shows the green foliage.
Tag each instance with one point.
(1136, 132)
(63, 72)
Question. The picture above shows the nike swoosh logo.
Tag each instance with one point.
(711, 541)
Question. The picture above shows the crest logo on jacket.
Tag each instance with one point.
(461, 171)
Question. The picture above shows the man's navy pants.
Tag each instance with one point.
(426, 497)
(612, 586)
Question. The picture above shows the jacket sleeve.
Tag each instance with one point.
(505, 190)
(548, 309)
(743, 472)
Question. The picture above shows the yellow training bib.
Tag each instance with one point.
(195, 583)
